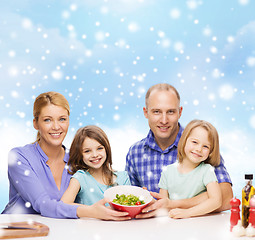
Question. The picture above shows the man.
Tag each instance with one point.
(147, 158)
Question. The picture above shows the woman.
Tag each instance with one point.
(38, 173)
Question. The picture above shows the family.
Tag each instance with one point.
(181, 167)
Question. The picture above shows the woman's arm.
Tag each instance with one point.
(100, 211)
(28, 178)
(71, 192)
(213, 202)
(29, 185)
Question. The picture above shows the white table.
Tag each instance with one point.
(214, 226)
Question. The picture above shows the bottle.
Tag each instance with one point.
(252, 212)
(235, 212)
(247, 192)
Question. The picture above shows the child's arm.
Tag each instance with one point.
(163, 193)
(209, 205)
(71, 192)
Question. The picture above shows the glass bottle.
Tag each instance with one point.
(247, 192)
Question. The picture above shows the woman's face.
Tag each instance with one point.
(94, 153)
(52, 124)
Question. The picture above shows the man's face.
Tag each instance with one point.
(163, 112)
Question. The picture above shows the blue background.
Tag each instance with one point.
(104, 55)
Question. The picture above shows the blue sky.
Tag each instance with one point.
(104, 55)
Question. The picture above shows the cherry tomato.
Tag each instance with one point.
(138, 203)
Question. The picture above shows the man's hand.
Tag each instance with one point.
(156, 207)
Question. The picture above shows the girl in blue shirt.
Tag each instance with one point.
(90, 163)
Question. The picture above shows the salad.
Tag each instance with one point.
(129, 200)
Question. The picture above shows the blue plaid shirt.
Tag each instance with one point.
(146, 160)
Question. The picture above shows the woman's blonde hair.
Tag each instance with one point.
(45, 99)
(75, 154)
(214, 155)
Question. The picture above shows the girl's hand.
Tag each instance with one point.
(100, 211)
(179, 213)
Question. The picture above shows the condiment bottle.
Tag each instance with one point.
(252, 212)
(235, 212)
(247, 192)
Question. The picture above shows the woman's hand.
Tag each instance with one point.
(100, 211)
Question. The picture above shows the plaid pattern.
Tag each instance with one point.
(146, 160)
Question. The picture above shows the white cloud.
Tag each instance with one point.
(245, 34)
(250, 61)
(243, 2)
(12, 134)
(178, 46)
(175, 13)
(121, 140)
(27, 24)
(207, 31)
(117, 7)
(252, 121)
(56, 44)
(165, 43)
(100, 36)
(133, 27)
(226, 91)
(237, 149)
(193, 4)
(57, 75)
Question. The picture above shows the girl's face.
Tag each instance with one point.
(93, 152)
(198, 146)
(52, 124)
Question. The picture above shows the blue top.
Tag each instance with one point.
(145, 161)
(32, 186)
(186, 185)
(91, 190)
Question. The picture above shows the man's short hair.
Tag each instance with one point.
(161, 87)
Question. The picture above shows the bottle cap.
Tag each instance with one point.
(248, 176)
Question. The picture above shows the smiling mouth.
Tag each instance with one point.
(195, 154)
(96, 160)
(163, 128)
(55, 134)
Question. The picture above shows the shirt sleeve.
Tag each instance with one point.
(80, 177)
(126, 179)
(163, 180)
(130, 168)
(30, 188)
(222, 173)
(209, 175)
